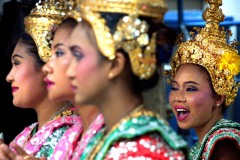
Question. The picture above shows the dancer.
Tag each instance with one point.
(114, 62)
(203, 86)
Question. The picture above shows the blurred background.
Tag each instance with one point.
(181, 17)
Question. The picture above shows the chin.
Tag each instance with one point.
(20, 105)
(183, 125)
(55, 98)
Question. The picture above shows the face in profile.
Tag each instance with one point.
(87, 72)
(26, 78)
(58, 85)
(191, 97)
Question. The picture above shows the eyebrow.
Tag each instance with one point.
(192, 82)
(188, 82)
(57, 45)
(74, 47)
(17, 55)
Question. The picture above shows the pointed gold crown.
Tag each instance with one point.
(131, 32)
(209, 48)
(42, 21)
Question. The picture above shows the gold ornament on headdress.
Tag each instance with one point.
(209, 48)
(131, 33)
(42, 21)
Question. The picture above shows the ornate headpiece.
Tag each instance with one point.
(209, 48)
(131, 33)
(42, 21)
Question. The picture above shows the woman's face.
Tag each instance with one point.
(28, 87)
(88, 72)
(58, 85)
(191, 97)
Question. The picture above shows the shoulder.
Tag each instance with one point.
(226, 148)
(220, 137)
(23, 135)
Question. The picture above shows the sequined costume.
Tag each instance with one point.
(223, 129)
(129, 33)
(43, 142)
(142, 134)
(73, 143)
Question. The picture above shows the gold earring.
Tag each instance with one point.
(110, 75)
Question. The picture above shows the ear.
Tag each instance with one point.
(220, 100)
(117, 66)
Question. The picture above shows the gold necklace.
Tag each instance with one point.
(60, 111)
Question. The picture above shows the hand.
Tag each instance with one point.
(22, 155)
(7, 154)
(29, 158)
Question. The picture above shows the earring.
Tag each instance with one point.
(110, 75)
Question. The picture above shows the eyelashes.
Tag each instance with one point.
(59, 53)
(15, 62)
(77, 55)
(188, 89)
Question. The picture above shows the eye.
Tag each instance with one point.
(191, 89)
(78, 55)
(15, 62)
(174, 88)
(59, 53)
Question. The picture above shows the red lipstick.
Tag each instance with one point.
(14, 89)
(48, 83)
(74, 88)
(182, 113)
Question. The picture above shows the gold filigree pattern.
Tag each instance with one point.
(209, 48)
(131, 33)
(42, 21)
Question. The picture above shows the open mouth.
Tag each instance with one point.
(182, 114)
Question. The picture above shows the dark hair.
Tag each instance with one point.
(27, 40)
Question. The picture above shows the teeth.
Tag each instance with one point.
(181, 110)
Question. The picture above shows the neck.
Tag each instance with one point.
(204, 129)
(47, 109)
(117, 108)
(88, 113)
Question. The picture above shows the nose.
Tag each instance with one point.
(47, 69)
(9, 78)
(180, 97)
(71, 71)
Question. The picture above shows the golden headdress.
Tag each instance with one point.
(209, 48)
(131, 33)
(42, 21)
